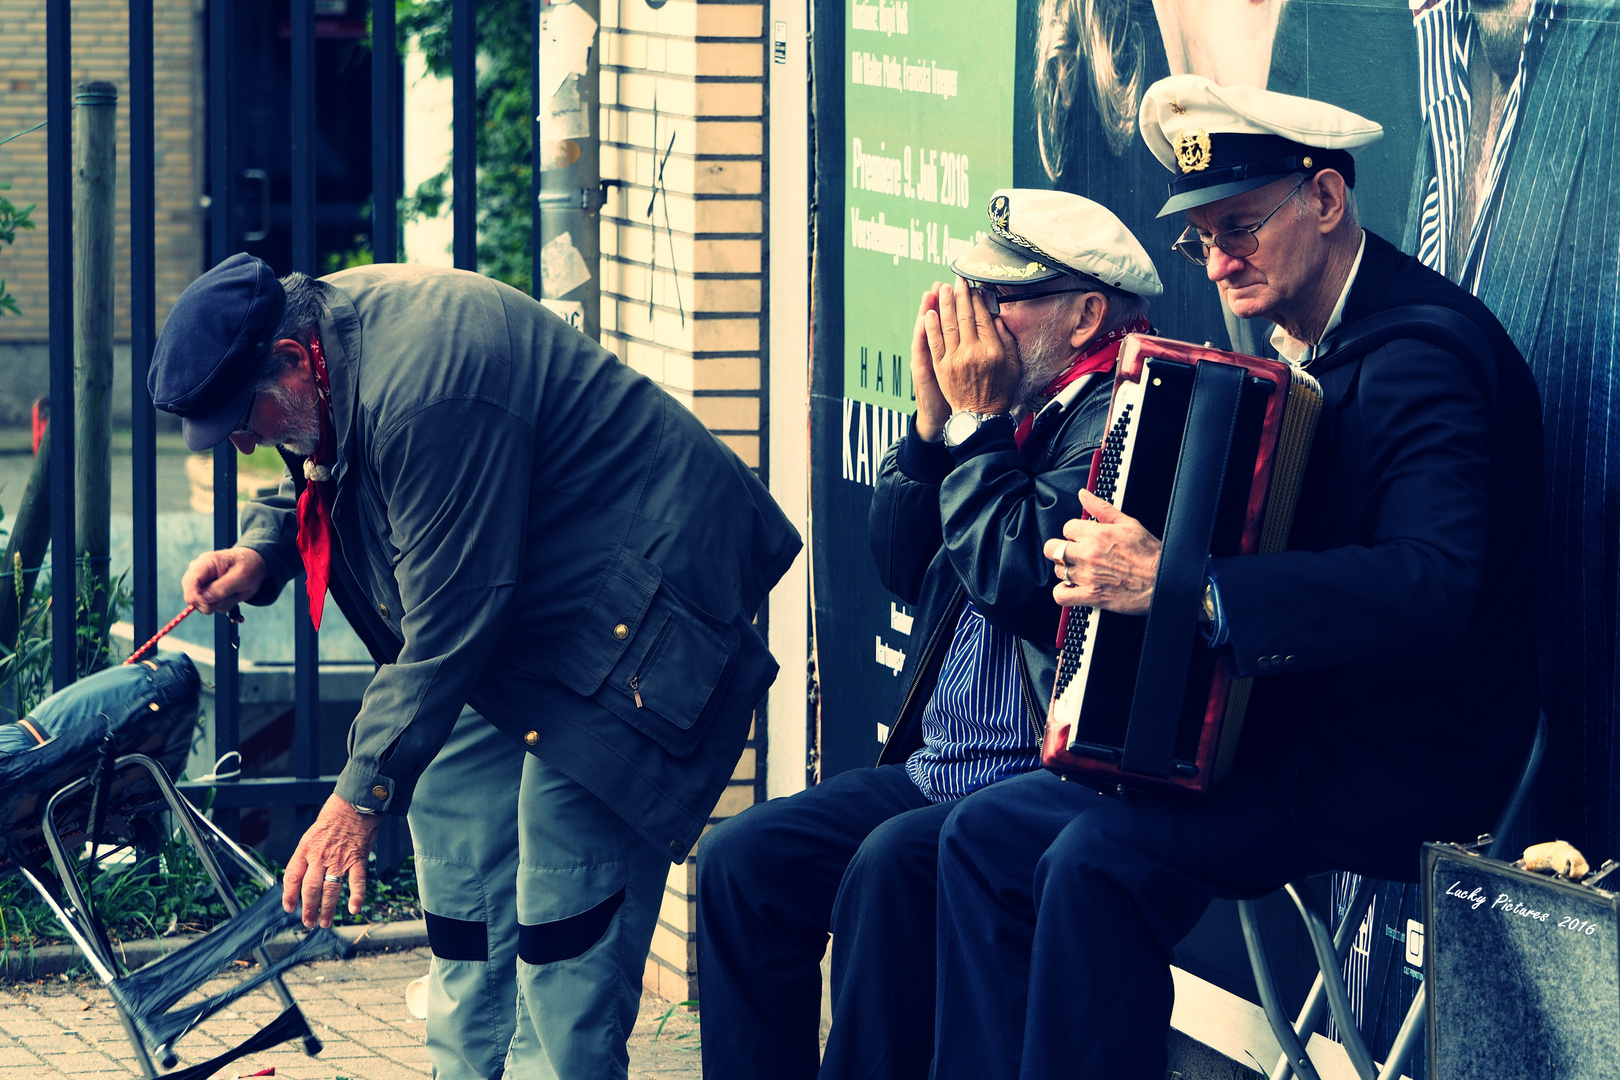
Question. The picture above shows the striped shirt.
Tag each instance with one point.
(1447, 39)
(977, 728)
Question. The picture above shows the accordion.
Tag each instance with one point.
(1206, 449)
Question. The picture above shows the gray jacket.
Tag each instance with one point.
(526, 525)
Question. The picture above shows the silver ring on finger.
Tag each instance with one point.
(332, 879)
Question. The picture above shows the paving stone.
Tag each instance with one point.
(357, 1008)
(83, 1063)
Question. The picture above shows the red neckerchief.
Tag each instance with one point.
(1098, 356)
(314, 513)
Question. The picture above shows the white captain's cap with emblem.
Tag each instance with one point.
(1036, 234)
(1221, 141)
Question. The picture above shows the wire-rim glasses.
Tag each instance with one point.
(1238, 243)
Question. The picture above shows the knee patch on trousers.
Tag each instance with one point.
(456, 939)
(564, 939)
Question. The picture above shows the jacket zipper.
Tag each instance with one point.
(1036, 717)
(635, 680)
(953, 615)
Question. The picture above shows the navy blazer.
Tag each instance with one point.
(1392, 641)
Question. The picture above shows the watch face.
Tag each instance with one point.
(959, 427)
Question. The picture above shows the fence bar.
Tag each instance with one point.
(222, 242)
(59, 191)
(464, 149)
(142, 317)
(385, 134)
(306, 645)
(303, 132)
(537, 238)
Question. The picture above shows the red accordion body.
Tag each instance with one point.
(1207, 449)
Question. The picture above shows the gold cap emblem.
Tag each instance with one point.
(1000, 212)
(1192, 150)
(1177, 107)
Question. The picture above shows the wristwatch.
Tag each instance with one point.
(961, 426)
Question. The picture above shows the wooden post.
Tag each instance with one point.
(94, 170)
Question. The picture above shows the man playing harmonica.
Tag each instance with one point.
(1391, 641)
(1012, 383)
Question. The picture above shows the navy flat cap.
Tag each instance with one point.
(202, 368)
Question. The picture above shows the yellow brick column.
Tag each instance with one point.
(683, 103)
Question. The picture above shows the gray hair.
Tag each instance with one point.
(298, 321)
(1123, 307)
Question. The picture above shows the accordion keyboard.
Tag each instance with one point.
(1116, 453)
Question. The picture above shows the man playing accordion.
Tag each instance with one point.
(1391, 703)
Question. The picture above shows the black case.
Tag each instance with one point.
(1522, 969)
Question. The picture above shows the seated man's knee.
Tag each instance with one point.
(904, 846)
(735, 851)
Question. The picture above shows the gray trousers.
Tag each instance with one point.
(540, 904)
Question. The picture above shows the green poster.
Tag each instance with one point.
(928, 118)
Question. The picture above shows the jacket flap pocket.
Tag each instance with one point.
(677, 672)
(613, 625)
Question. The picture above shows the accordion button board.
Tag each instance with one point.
(1136, 469)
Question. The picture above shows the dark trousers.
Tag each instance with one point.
(855, 856)
(1058, 908)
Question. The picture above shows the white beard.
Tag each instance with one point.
(1043, 357)
(301, 432)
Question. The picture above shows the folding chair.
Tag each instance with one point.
(1331, 948)
(91, 766)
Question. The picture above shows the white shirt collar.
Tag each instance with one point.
(1302, 353)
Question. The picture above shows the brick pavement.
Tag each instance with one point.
(59, 1028)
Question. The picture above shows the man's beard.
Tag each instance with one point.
(1043, 356)
(300, 433)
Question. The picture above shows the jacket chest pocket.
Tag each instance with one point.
(646, 654)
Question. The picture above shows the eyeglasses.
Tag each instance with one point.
(993, 300)
(1238, 243)
(242, 425)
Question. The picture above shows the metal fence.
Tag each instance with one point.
(304, 787)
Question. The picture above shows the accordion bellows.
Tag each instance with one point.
(1207, 450)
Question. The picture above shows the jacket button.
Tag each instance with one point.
(1288, 659)
(621, 631)
(380, 791)
(675, 849)
(382, 609)
(531, 737)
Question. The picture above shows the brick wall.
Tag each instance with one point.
(681, 289)
(100, 33)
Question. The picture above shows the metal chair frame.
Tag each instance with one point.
(1331, 947)
(76, 914)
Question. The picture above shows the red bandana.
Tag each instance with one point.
(1098, 356)
(314, 514)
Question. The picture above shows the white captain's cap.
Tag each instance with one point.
(1224, 140)
(1037, 234)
